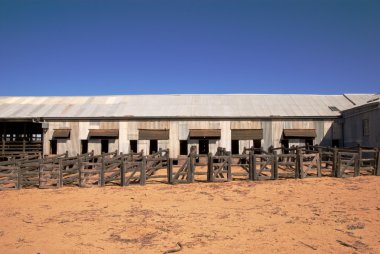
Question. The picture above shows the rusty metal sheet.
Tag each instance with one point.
(247, 134)
(204, 133)
(103, 133)
(300, 133)
(153, 134)
(61, 133)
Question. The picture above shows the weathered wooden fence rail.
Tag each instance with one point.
(89, 170)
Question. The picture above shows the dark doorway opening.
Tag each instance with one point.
(335, 143)
(235, 146)
(153, 146)
(133, 146)
(285, 143)
(183, 147)
(84, 146)
(104, 145)
(203, 146)
(309, 141)
(53, 146)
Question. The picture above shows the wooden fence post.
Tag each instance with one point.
(80, 173)
(170, 170)
(229, 172)
(122, 172)
(357, 164)
(190, 171)
(254, 167)
(318, 162)
(60, 172)
(209, 168)
(275, 165)
(300, 157)
(335, 166)
(143, 171)
(377, 170)
(250, 169)
(102, 169)
(298, 164)
(19, 176)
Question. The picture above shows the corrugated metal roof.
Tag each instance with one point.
(186, 105)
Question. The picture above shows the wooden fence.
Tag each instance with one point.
(89, 170)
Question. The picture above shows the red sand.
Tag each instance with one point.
(325, 215)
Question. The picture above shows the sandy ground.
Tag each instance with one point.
(325, 215)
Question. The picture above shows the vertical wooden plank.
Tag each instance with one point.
(60, 169)
(250, 170)
(191, 169)
(335, 166)
(122, 171)
(318, 164)
(254, 165)
(80, 173)
(275, 165)
(271, 159)
(298, 164)
(377, 169)
(143, 171)
(357, 164)
(19, 177)
(338, 170)
(229, 173)
(209, 168)
(101, 173)
(170, 171)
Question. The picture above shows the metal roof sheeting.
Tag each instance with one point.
(186, 105)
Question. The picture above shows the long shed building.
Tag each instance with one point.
(127, 123)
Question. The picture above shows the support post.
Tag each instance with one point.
(143, 171)
(318, 163)
(19, 177)
(190, 171)
(122, 172)
(298, 164)
(357, 164)
(229, 172)
(377, 169)
(254, 167)
(335, 166)
(209, 168)
(80, 173)
(250, 170)
(275, 165)
(60, 173)
(102, 169)
(170, 171)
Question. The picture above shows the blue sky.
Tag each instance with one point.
(85, 47)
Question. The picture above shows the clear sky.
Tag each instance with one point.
(84, 47)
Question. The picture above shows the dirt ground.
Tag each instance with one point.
(325, 215)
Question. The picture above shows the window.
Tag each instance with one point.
(133, 146)
(104, 144)
(84, 146)
(153, 146)
(203, 146)
(183, 147)
(365, 127)
(53, 146)
(235, 146)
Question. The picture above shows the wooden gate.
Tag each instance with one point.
(348, 164)
(263, 167)
(310, 165)
(219, 168)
